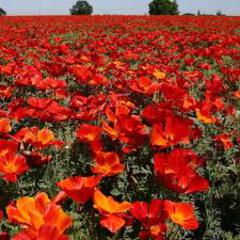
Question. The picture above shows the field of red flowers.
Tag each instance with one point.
(119, 127)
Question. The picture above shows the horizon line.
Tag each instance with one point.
(113, 14)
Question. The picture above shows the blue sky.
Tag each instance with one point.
(39, 7)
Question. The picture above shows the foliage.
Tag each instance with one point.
(2, 12)
(219, 13)
(81, 8)
(163, 7)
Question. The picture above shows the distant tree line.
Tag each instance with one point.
(218, 13)
(156, 7)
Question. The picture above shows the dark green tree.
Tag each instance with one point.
(81, 8)
(163, 7)
(2, 12)
(219, 13)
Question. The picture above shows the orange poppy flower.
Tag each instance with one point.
(5, 125)
(110, 131)
(111, 211)
(123, 107)
(38, 138)
(11, 166)
(27, 135)
(80, 189)
(45, 136)
(205, 117)
(159, 75)
(108, 204)
(107, 164)
(110, 115)
(112, 222)
(182, 214)
(40, 217)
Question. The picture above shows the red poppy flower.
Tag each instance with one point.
(8, 147)
(129, 130)
(176, 171)
(225, 139)
(27, 75)
(144, 85)
(82, 73)
(6, 91)
(4, 236)
(39, 103)
(80, 189)
(47, 110)
(174, 130)
(204, 112)
(51, 83)
(152, 217)
(89, 133)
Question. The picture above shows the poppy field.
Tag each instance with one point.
(119, 127)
